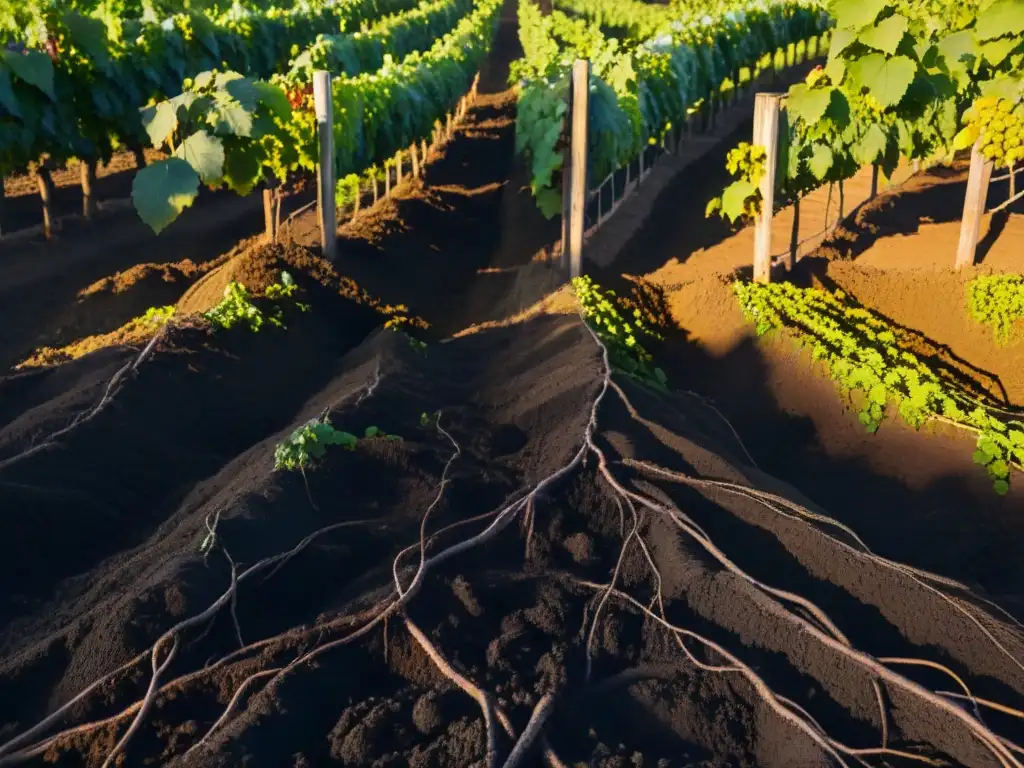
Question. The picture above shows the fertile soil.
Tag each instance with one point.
(734, 522)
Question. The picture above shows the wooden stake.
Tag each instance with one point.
(326, 205)
(268, 215)
(88, 182)
(449, 129)
(140, 157)
(578, 163)
(974, 208)
(414, 156)
(874, 183)
(387, 181)
(45, 182)
(766, 134)
(398, 167)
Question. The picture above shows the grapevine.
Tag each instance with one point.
(862, 354)
(900, 79)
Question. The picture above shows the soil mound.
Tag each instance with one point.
(677, 605)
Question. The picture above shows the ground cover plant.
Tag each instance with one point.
(998, 302)
(860, 351)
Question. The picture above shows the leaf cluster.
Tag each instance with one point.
(862, 354)
(998, 302)
(620, 334)
(238, 307)
(309, 443)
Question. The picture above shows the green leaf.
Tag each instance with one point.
(205, 153)
(203, 80)
(878, 394)
(34, 68)
(958, 51)
(841, 40)
(808, 104)
(854, 14)
(734, 198)
(231, 119)
(160, 121)
(372, 432)
(549, 201)
(1003, 17)
(1001, 487)
(887, 79)
(821, 161)
(274, 98)
(89, 35)
(995, 51)
(714, 206)
(871, 145)
(161, 191)
(243, 168)
(886, 35)
(7, 98)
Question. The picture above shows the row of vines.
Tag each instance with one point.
(907, 80)
(651, 68)
(86, 82)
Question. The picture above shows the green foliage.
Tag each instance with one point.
(998, 302)
(651, 68)
(237, 308)
(158, 315)
(742, 198)
(217, 131)
(76, 73)
(898, 82)
(619, 334)
(862, 354)
(309, 443)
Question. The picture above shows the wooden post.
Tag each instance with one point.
(414, 156)
(578, 163)
(268, 215)
(88, 191)
(387, 181)
(766, 134)
(974, 208)
(327, 213)
(874, 182)
(45, 182)
(398, 167)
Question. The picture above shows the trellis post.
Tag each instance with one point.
(767, 107)
(326, 204)
(974, 207)
(574, 187)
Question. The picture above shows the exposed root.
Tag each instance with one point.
(541, 712)
(113, 387)
(471, 690)
(984, 702)
(833, 638)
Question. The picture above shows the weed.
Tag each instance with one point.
(309, 443)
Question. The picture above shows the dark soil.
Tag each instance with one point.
(514, 620)
(104, 530)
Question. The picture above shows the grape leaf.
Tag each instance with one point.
(871, 145)
(243, 168)
(887, 79)
(34, 68)
(854, 14)
(549, 201)
(231, 119)
(958, 51)
(808, 104)
(160, 121)
(995, 51)
(1003, 17)
(821, 161)
(734, 198)
(273, 98)
(886, 35)
(967, 137)
(161, 191)
(7, 98)
(205, 153)
(841, 40)
(89, 35)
